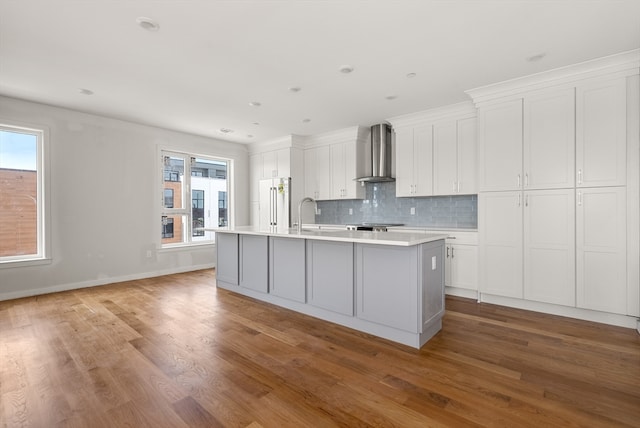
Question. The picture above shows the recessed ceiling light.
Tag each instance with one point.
(255, 103)
(391, 97)
(411, 75)
(148, 23)
(346, 69)
(536, 57)
(226, 130)
(295, 89)
(306, 120)
(85, 91)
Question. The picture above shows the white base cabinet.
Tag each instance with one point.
(549, 246)
(601, 249)
(528, 245)
(461, 266)
(500, 237)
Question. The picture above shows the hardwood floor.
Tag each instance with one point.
(175, 351)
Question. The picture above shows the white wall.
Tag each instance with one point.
(104, 202)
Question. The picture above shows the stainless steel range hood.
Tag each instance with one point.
(378, 155)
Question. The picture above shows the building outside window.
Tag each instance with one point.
(191, 186)
(22, 198)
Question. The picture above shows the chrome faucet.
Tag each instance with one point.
(302, 201)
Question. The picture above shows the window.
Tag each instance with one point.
(197, 208)
(191, 189)
(22, 220)
(167, 227)
(168, 198)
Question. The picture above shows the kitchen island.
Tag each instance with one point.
(387, 284)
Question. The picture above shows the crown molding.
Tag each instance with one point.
(621, 64)
(354, 133)
(461, 110)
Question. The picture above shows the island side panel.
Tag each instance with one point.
(387, 286)
(432, 294)
(330, 275)
(227, 258)
(287, 268)
(254, 262)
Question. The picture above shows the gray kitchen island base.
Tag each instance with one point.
(391, 291)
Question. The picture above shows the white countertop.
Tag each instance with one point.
(404, 239)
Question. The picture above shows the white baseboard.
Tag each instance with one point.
(565, 311)
(461, 292)
(101, 281)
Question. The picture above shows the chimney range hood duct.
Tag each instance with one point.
(378, 155)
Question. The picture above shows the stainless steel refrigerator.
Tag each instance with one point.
(275, 204)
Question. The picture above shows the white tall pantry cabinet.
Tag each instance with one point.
(558, 190)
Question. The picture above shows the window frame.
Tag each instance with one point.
(186, 202)
(43, 220)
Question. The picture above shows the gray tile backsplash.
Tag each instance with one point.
(381, 206)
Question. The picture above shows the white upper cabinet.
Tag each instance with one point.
(276, 163)
(317, 172)
(467, 157)
(445, 158)
(414, 161)
(454, 157)
(601, 133)
(549, 139)
(500, 146)
(345, 166)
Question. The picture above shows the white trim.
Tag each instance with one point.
(564, 311)
(461, 292)
(624, 64)
(103, 281)
(357, 133)
(463, 110)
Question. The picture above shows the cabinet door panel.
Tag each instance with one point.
(467, 157)
(227, 258)
(464, 266)
(310, 176)
(423, 160)
(500, 146)
(445, 158)
(254, 263)
(549, 246)
(549, 140)
(287, 273)
(404, 161)
(330, 275)
(323, 172)
(601, 249)
(601, 133)
(500, 237)
(337, 171)
(353, 168)
(383, 297)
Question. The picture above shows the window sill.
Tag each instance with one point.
(194, 246)
(25, 263)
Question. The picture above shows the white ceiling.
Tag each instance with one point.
(211, 58)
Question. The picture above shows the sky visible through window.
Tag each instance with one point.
(18, 150)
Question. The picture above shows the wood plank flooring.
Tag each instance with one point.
(175, 351)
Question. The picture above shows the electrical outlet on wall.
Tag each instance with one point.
(413, 210)
(350, 211)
